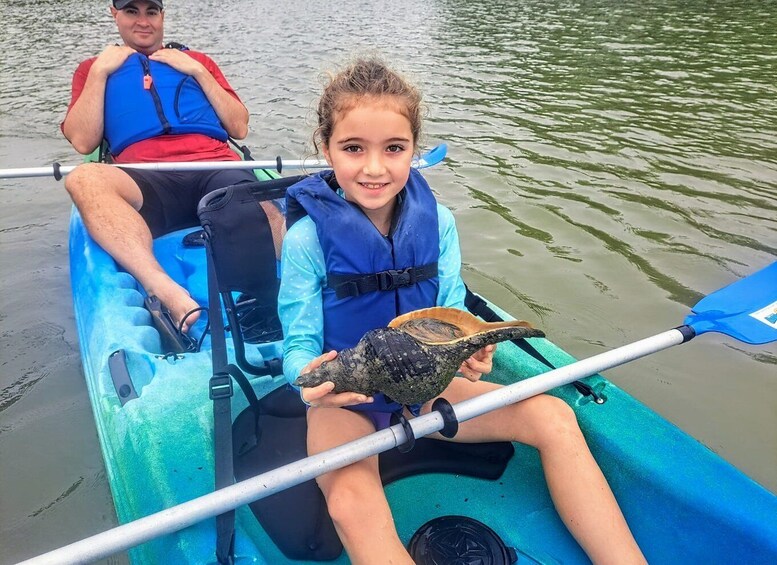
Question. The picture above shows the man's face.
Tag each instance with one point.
(140, 25)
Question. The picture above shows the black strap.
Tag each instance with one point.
(355, 285)
(479, 307)
(243, 149)
(221, 394)
(235, 372)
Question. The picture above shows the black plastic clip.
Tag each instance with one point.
(450, 423)
(396, 278)
(220, 386)
(399, 418)
(57, 172)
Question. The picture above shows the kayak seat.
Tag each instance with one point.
(244, 226)
(296, 519)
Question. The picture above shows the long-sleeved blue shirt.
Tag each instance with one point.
(303, 277)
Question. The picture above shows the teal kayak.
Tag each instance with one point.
(683, 503)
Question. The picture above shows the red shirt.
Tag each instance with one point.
(183, 147)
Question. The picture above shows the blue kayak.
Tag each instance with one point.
(683, 503)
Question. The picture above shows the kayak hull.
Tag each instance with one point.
(682, 501)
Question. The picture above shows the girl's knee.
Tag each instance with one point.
(346, 504)
(559, 409)
(557, 420)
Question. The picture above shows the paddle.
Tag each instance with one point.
(745, 310)
(428, 159)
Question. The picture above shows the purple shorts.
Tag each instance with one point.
(381, 420)
(379, 411)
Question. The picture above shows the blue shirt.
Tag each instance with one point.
(303, 276)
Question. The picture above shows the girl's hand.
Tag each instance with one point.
(322, 394)
(479, 364)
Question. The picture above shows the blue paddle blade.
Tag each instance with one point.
(433, 157)
(745, 310)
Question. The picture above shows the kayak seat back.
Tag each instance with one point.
(244, 225)
(296, 519)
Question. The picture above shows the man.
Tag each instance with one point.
(150, 104)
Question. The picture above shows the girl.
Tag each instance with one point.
(371, 214)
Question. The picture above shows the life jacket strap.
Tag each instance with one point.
(356, 285)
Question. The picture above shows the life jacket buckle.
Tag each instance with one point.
(396, 278)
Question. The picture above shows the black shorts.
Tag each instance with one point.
(170, 198)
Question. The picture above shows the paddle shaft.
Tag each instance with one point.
(55, 171)
(188, 513)
(428, 159)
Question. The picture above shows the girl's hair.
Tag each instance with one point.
(365, 78)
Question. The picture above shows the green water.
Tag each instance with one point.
(610, 163)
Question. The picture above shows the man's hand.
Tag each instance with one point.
(322, 394)
(83, 125)
(231, 112)
(479, 364)
(111, 59)
(179, 60)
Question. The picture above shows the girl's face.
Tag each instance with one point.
(370, 150)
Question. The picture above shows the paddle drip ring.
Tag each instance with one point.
(460, 540)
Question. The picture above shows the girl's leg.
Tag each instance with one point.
(590, 512)
(354, 494)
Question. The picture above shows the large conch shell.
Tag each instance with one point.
(416, 356)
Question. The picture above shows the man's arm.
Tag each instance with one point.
(83, 125)
(230, 110)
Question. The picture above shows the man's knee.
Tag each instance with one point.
(90, 182)
(81, 179)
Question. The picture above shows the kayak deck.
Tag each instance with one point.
(683, 502)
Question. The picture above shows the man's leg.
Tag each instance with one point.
(109, 200)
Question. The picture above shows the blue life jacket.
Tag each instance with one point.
(371, 278)
(172, 103)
